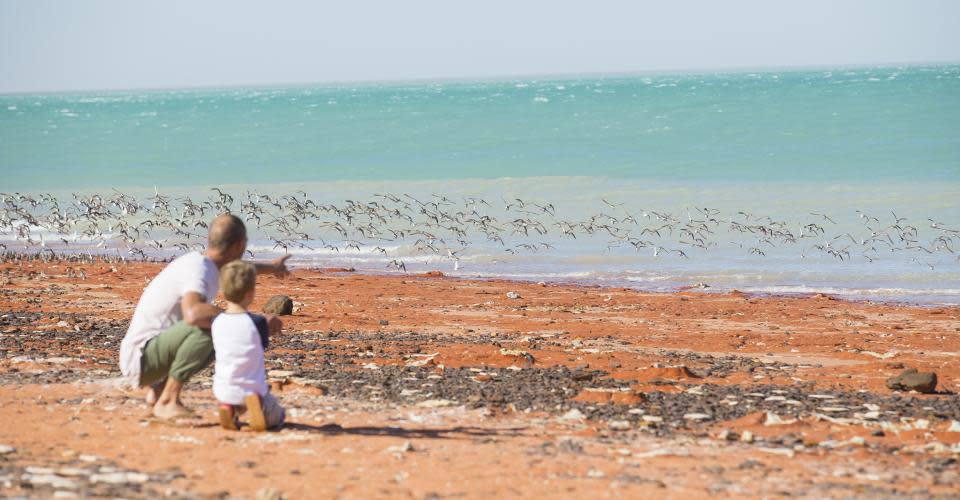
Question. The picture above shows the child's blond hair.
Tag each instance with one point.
(236, 279)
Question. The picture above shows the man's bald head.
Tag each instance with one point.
(225, 231)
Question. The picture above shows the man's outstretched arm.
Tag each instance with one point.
(276, 267)
(197, 311)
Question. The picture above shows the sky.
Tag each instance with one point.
(48, 46)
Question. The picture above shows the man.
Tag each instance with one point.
(169, 337)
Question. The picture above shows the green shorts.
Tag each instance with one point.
(179, 352)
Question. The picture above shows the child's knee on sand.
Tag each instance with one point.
(274, 414)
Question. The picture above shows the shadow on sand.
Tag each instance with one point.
(442, 433)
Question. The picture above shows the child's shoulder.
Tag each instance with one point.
(256, 317)
(235, 319)
(259, 321)
(263, 328)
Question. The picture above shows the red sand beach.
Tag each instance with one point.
(432, 387)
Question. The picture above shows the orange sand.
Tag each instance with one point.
(495, 452)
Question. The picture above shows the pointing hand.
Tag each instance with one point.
(280, 267)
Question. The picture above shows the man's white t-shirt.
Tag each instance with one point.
(238, 371)
(159, 306)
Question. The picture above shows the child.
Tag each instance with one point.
(239, 338)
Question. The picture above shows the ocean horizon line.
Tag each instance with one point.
(543, 77)
(509, 183)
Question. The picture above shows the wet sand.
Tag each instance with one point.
(427, 386)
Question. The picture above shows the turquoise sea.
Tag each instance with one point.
(855, 144)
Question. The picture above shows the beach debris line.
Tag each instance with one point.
(550, 388)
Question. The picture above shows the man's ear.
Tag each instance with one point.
(238, 248)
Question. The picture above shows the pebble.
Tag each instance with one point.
(619, 425)
(518, 353)
(652, 418)
(746, 437)
(72, 472)
(774, 419)
(6, 449)
(787, 452)
(573, 414)
(406, 447)
(954, 427)
(661, 453)
(120, 478)
(513, 295)
(832, 409)
(595, 473)
(39, 471)
(696, 416)
(179, 438)
(269, 494)
(728, 435)
(435, 403)
(51, 480)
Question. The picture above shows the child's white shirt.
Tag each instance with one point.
(239, 368)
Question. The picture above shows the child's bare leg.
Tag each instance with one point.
(228, 417)
(254, 407)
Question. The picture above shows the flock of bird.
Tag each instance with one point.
(159, 226)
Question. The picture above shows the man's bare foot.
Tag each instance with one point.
(151, 397)
(153, 393)
(172, 410)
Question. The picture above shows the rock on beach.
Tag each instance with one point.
(280, 305)
(912, 380)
